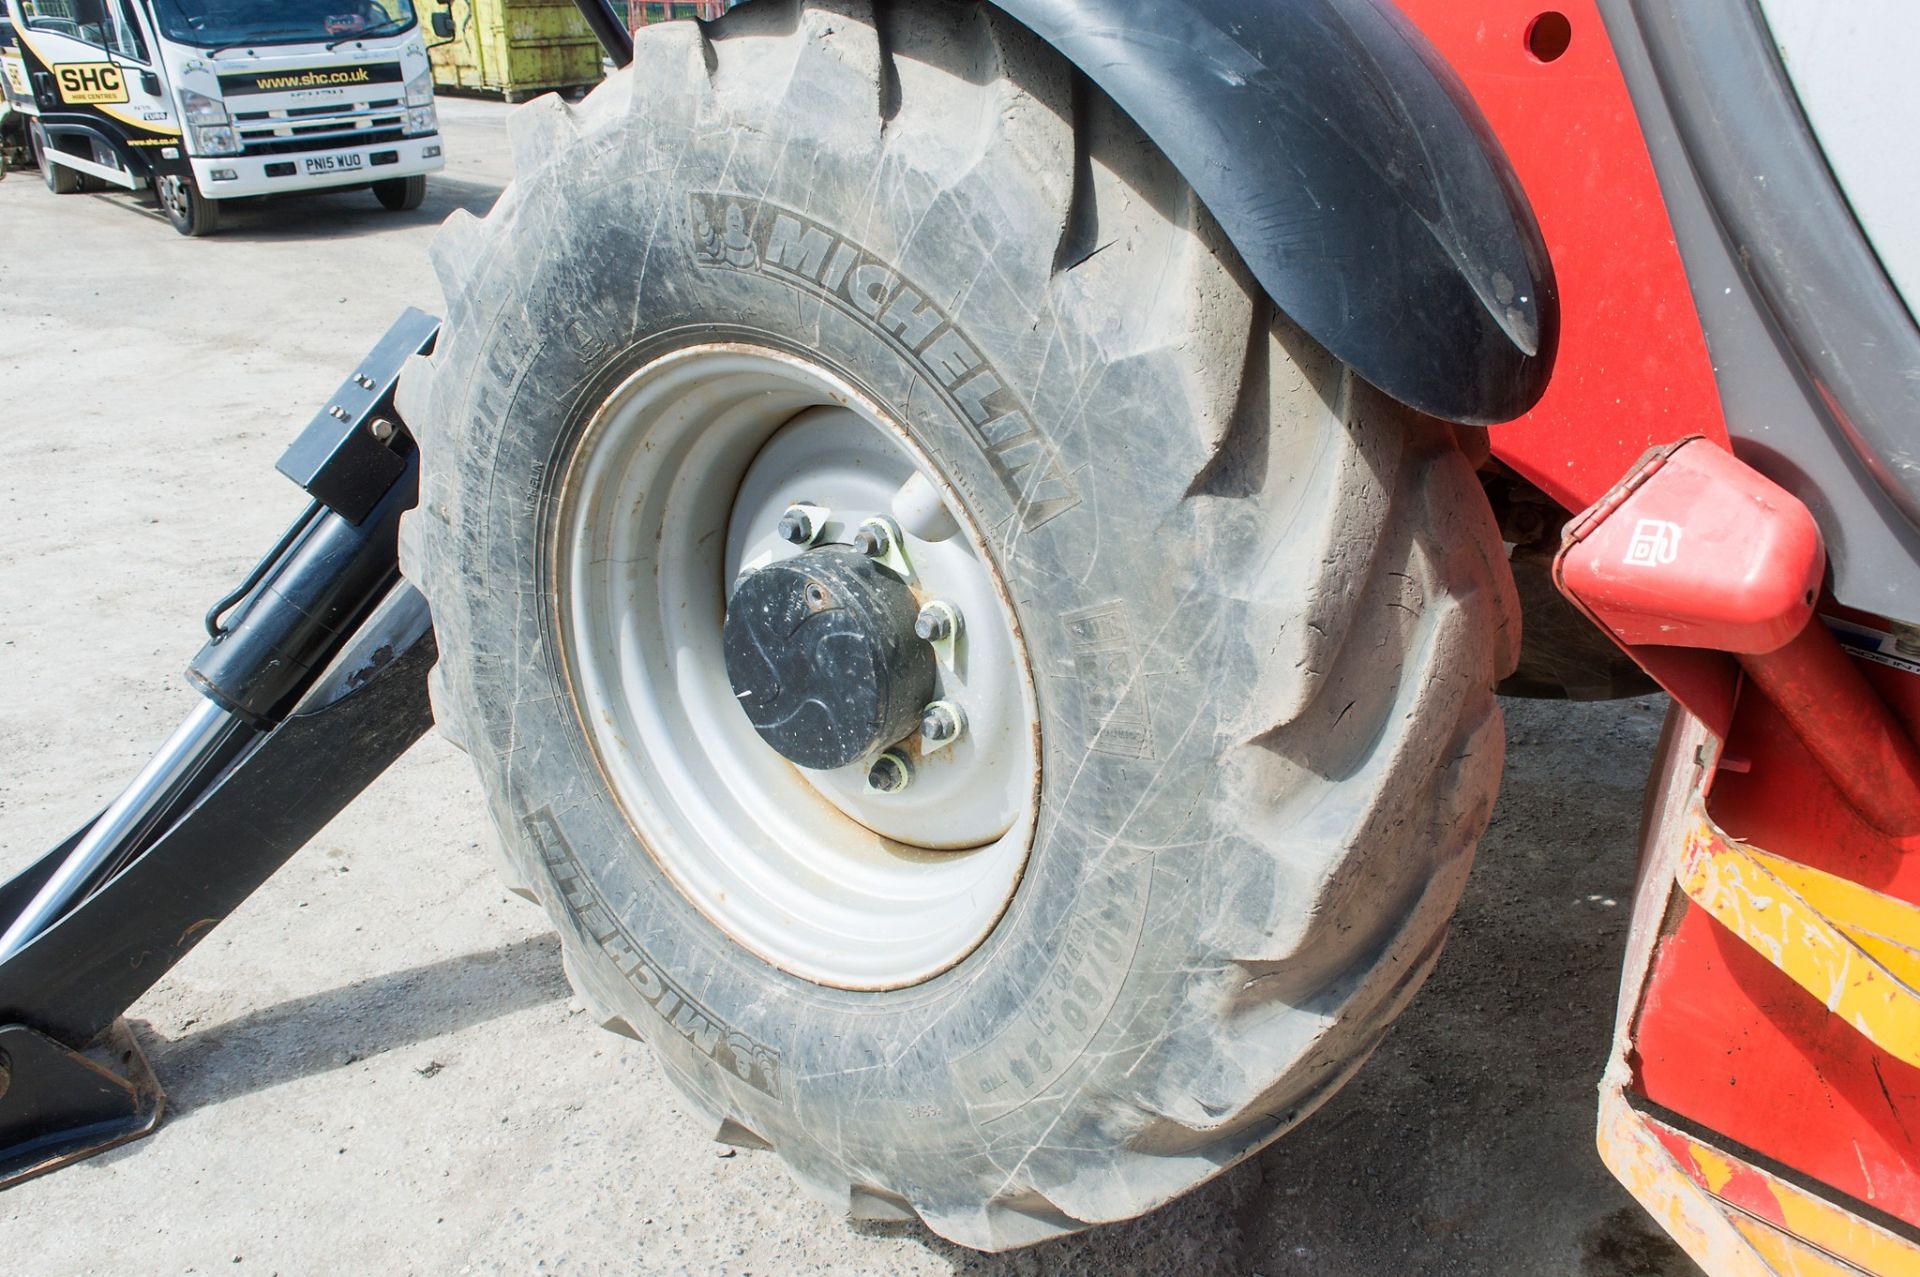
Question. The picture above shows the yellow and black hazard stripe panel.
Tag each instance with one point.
(1764, 1096)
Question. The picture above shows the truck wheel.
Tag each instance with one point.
(401, 194)
(191, 213)
(60, 179)
(1222, 622)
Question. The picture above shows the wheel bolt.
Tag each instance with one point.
(873, 539)
(798, 525)
(890, 773)
(938, 621)
(941, 724)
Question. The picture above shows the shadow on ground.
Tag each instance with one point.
(334, 1029)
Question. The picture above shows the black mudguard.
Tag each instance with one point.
(1353, 173)
(1348, 166)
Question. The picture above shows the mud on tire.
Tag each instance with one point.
(1265, 608)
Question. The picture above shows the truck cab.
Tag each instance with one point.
(206, 101)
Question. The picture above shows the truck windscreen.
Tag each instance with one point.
(225, 23)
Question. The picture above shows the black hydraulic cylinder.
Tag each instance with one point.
(307, 604)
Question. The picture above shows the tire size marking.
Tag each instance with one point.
(1091, 962)
(756, 1065)
(1108, 666)
(737, 232)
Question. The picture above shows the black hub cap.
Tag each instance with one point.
(823, 658)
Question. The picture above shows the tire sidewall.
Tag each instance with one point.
(180, 219)
(185, 218)
(400, 194)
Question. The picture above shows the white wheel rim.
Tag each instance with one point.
(677, 486)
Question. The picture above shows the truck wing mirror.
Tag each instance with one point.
(443, 24)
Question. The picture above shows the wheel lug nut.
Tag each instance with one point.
(938, 621)
(802, 524)
(874, 538)
(891, 773)
(941, 724)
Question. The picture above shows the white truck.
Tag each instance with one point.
(205, 101)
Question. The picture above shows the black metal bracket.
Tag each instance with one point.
(325, 670)
(343, 458)
(58, 1105)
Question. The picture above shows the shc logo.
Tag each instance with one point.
(85, 83)
(1655, 543)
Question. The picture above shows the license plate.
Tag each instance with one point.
(333, 163)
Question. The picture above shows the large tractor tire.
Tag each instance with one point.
(1231, 620)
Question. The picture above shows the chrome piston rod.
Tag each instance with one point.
(201, 739)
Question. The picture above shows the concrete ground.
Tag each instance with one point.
(375, 1065)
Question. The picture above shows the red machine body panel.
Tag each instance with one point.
(1720, 1031)
(1633, 369)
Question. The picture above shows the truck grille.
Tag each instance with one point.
(318, 128)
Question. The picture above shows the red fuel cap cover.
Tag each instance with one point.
(1695, 548)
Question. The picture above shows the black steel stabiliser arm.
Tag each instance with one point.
(313, 681)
